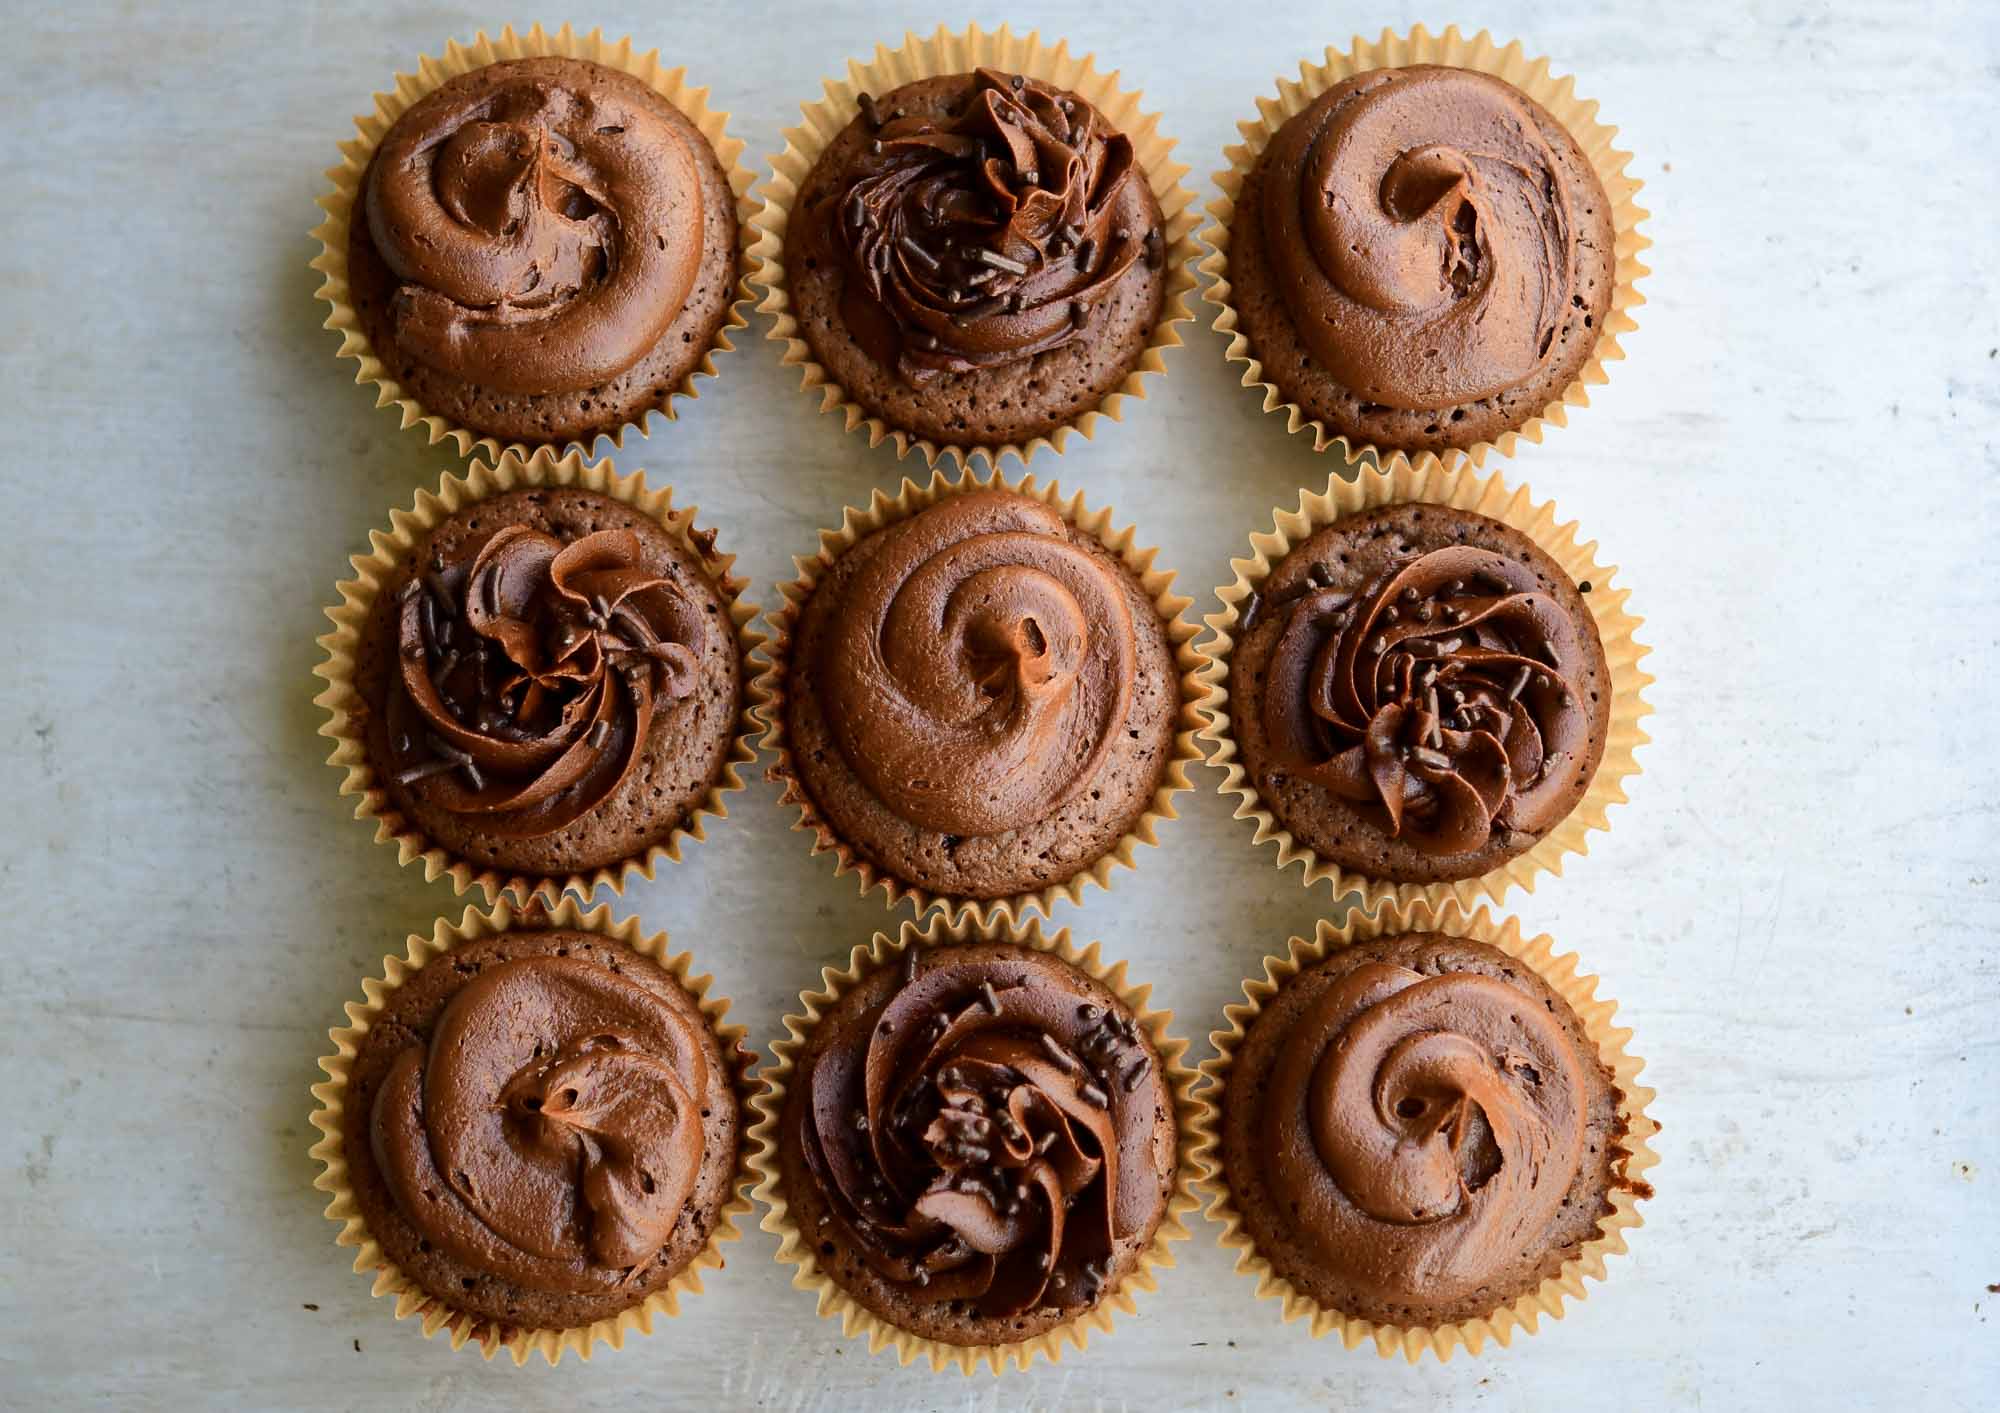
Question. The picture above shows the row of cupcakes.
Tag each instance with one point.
(977, 1141)
(1425, 247)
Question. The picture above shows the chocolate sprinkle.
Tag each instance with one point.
(986, 996)
(1058, 1054)
(868, 109)
(917, 252)
(1000, 262)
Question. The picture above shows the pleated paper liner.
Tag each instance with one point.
(432, 74)
(836, 1303)
(1480, 53)
(884, 510)
(1525, 1312)
(412, 1301)
(945, 53)
(390, 548)
(1430, 483)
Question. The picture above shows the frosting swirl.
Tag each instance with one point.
(550, 1132)
(986, 237)
(545, 222)
(1422, 1131)
(1444, 693)
(989, 1139)
(1420, 228)
(980, 666)
(529, 674)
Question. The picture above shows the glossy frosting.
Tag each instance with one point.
(979, 664)
(550, 1131)
(1443, 693)
(986, 237)
(987, 1134)
(1420, 229)
(545, 222)
(530, 671)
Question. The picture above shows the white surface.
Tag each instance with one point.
(1795, 470)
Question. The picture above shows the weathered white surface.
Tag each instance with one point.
(1795, 470)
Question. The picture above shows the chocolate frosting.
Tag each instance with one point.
(530, 672)
(990, 1138)
(1442, 693)
(545, 222)
(987, 237)
(1421, 232)
(550, 1132)
(1421, 1132)
(980, 665)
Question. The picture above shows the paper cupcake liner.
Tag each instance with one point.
(389, 549)
(944, 53)
(884, 510)
(1635, 1155)
(412, 1301)
(432, 74)
(1533, 78)
(835, 1302)
(1429, 482)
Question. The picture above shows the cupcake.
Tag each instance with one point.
(539, 680)
(532, 1130)
(1417, 256)
(971, 1145)
(977, 257)
(979, 701)
(1424, 1131)
(537, 249)
(1418, 694)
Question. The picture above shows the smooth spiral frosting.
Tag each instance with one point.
(1420, 229)
(986, 237)
(989, 1137)
(550, 1132)
(545, 223)
(530, 672)
(1421, 1132)
(979, 666)
(1444, 693)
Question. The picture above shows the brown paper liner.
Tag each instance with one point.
(432, 74)
(836, 1303)
(331, 1093)
(1525, 1311)
(942, 53)
(1465, 489)
(389, 549)
(883, 511)
(1451, 48)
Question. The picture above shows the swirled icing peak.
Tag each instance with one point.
(550, 1131)
(1420, 229)
(980, 664)
(988, 236)
(530, 671)
(545, 223)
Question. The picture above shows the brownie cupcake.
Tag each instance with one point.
(1424, 1131)
(978, 700)
(543, 684)
(533, 1131)
(540, 249)
(971, 1144)
(1419, 257)
(977, 259)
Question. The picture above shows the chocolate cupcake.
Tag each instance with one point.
(978, 700)
(540, 681)
(533, 1131)
(1418, 256)
(539, 249)
(971, 1143)
(1424, 1131)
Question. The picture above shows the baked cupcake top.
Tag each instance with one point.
(1418, 1130)
(542, 1128)
(978, 1141)
(1420, 693)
